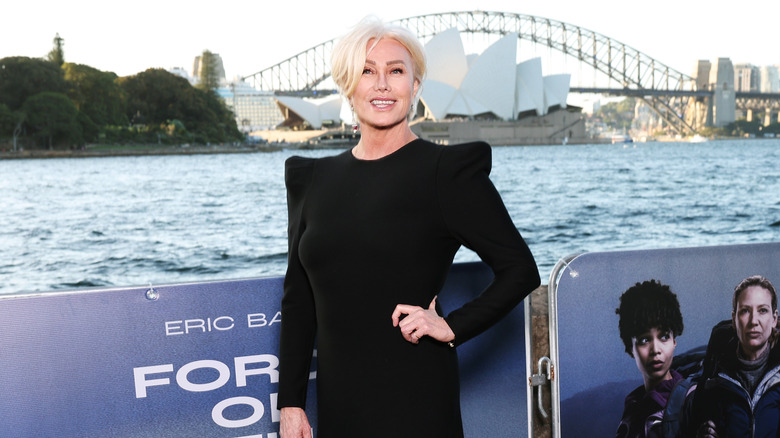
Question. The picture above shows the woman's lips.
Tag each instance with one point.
(656, 365)
(382, 103)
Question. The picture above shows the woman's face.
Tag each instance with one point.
(386, 90)
(754, 320)
(654, 351)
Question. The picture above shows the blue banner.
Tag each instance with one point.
(201, 360)
(594, 373)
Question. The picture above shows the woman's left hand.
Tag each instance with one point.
(421, 322)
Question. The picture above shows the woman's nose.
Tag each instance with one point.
(381, 83)
(654, 346)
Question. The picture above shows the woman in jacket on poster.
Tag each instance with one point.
(739, 395)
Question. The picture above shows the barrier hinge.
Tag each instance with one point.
(541, 378)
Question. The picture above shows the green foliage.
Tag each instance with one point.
(156, 97)
(57, 53)
(22, 77)
(7, 121)
(208, 76)
(742, 127)
(54, 118)
(713, 132)
(43, 105)
(618, 115)
(96, 95)
(774, 128)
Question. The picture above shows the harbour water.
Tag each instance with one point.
(129, 221)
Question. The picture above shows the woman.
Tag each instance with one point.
(650, 322)
(372, 234)
(741, 395)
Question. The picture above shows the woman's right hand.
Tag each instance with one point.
(707, 430)
(294, 424)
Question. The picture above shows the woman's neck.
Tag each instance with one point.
(752, 355)
(377, 143)
(650, 384)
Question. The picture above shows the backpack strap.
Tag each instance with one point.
(673, 412)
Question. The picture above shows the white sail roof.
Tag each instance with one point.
(313, 111)
(460, 85)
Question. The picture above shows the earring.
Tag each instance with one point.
(355, 125)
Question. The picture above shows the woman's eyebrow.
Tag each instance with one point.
(398, 61)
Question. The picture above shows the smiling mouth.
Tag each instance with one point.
(382, 103)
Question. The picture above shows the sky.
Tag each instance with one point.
(129, 37)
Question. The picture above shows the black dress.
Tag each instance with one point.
(366, 235)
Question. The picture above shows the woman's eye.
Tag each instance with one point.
(366, 71)
(397, 70)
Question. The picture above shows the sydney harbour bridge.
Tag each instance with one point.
(617, 69)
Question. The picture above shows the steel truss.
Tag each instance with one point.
(635, 71)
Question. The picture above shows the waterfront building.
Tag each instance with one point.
(197, 68)
(310, 113)
(489, 85)
(492, 97)
(254, 110)
(746, 78)
(770, 79)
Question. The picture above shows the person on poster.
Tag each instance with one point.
(739, 392)
(372, 235)
(650, 322)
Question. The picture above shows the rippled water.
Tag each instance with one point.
(126, 221)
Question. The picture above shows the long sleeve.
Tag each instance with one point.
(477, 218)
(298, 315)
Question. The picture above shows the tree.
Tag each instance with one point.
(57, 53)
(618, 115)
(54, 118)
(158, 97)
(7, 121)
(208, 72)
(96, 94)
(22, 77)
(11, 124)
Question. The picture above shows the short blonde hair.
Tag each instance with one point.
(349, 54)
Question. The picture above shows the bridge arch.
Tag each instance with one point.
(666, 90)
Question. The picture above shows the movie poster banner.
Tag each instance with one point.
(198, 359)
(594, 372)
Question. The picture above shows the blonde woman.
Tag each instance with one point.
(741, 394)
(372, 234)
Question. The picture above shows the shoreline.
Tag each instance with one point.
(137, 151)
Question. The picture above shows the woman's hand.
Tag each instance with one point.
(421, 322)
(707, 430)
(294, 424)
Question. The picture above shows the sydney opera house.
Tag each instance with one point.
(487, 96)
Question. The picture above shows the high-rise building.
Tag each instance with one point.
(197, 67)
(746, 78)
(770, 79)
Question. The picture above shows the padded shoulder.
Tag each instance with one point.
(297, 173)
(467, 158)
